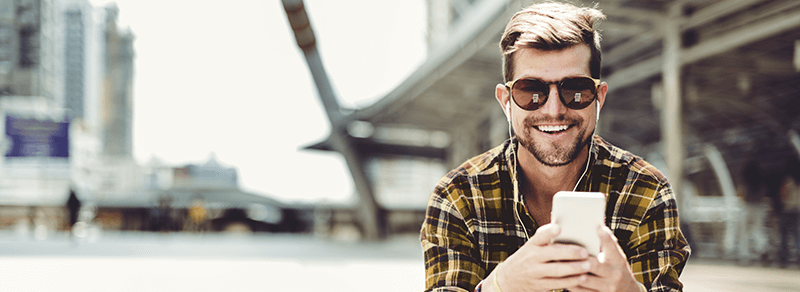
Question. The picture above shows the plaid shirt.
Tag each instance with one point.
(470, 227)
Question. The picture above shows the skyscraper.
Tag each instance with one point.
(75, 33)
(30, 49)
(117, 99)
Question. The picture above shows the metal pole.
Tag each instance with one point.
(367, 207)
(671, 115)
(794, 138)
(732, 203)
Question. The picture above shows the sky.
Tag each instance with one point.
(230, 80)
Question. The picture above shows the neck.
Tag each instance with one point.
(541, 182)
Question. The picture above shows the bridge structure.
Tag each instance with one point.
(696, 87)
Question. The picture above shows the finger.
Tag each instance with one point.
(596, 282)
(603, 276)
(581, 289)
(561, 283)
(545, 234)
(564, 269)
(592, 282)
(609, 247)
(558, 252)
(598, 268)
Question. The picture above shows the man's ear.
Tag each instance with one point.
(601, 94)
(501, 93)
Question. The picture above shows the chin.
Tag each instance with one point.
(555, 155)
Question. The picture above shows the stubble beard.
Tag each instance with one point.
(556, 154)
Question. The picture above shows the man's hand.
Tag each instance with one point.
(541, 266)
(610, 270)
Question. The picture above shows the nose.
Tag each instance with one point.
(553, 107)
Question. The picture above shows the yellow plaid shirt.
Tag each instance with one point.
(470, 226)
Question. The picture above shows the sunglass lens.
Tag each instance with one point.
(529, 94)
(578, 93)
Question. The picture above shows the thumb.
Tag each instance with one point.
(545, 234)
(609, 245)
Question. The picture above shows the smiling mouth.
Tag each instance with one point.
(552, 129)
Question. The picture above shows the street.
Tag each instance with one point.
(186, 262)
(702, 275)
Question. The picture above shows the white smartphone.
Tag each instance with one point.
(579, 214)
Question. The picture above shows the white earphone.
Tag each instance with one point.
(515, 183)
(508, 111)
(597, 118)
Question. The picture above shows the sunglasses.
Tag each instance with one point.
(575, 92)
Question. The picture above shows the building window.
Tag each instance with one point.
(28, 48)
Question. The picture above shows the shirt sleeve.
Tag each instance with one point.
(452, 261)
(657, 250)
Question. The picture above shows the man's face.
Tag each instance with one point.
(554, 134)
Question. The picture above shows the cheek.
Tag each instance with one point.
(518, 118)
(516, 122)
(591, 119)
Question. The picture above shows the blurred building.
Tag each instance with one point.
(34, 167)
(197, 198)
(66, 73)
(31, 49)
(696, 87)
(75, 43)
(84, 27)
(99, 92)
(83, 49)
(117, 98)
(66, 101)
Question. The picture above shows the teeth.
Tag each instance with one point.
(553, 128)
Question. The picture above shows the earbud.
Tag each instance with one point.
(597, 118)
(508, 111)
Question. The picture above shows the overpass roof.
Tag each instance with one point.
(739, 61)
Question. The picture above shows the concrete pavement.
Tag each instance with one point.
(185, 262)
(711, 275)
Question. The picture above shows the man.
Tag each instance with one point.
(487, 222)
(73, 208)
